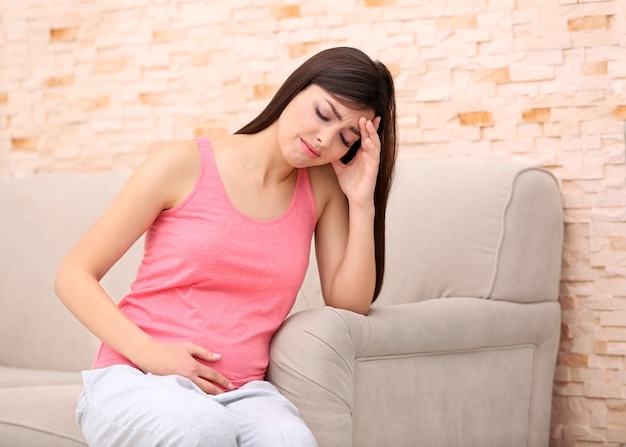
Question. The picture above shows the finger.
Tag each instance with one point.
(208, 387)
(216, 378)
(202, 353)
(373, 134)
(377, 122)
(363, 127)
(368, 145)
(371, 128)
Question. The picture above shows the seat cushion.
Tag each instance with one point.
(40, 416)
(12, 377)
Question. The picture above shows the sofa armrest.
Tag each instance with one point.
(312, 364)
(337, 367)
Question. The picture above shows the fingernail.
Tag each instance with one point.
(217, 356)
(230, 387)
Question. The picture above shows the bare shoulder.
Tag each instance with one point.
(171, 170)
(325, 186)
(177, 154)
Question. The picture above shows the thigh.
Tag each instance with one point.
(265, 417)
(122, 406)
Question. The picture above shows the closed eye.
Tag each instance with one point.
(345, 142)
(319, 114)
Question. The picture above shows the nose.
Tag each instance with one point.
(324, 137)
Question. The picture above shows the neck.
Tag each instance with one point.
(261, 157)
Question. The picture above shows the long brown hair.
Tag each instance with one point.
(358, 82)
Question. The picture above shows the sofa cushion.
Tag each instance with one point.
(48, 213)
(17, 377)
(499, 235)
(40, 416)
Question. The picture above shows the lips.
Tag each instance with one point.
(308, 149)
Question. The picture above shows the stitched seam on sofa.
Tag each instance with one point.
(454, 351)
(498, 251)
(531, 407)
(345, 322)
(299, 374)
(331, 347)
(42, 430)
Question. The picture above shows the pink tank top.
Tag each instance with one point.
(215, 277)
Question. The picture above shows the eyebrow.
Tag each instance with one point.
(354, 130)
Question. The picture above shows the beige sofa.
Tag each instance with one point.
(459, 350)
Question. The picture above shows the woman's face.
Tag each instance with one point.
(315, 129)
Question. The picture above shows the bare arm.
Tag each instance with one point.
(345, 229)
(163, 180)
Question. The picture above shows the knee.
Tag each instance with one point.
(287, 434)
(300, 436)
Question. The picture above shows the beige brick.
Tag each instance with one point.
(615, 319)
(200, 59)
(529, 130)
(372, 3)
(105, 65)
(587, 23)
(599, 419)
(573, 360)
(536, 115)
(606, 126)
(521, 72)
(561, 129)
(94, 103)
(63, 34)
(476, 118)
(151, 98)
(25, 144)
(596, 38)
(286, 12)
(497, 75)
(620, 112)
(264, 91)
(617, 435)
(168, 35)
(605, 390)
(594, 68)
(569, 389)
(59, 81)
(588, 375)
(456, 22)
(618, 244)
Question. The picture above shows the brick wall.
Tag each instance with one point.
(89, 84)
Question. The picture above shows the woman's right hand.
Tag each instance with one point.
(181, 359)
(161, 358)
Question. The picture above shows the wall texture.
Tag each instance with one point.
(89, 84)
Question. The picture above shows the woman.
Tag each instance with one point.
(229, 224)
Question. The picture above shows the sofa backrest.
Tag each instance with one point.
(467, 227)
(478, 228)
(43, 218)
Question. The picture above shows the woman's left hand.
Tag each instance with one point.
(358, 178)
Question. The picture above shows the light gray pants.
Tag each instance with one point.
(123, 407)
